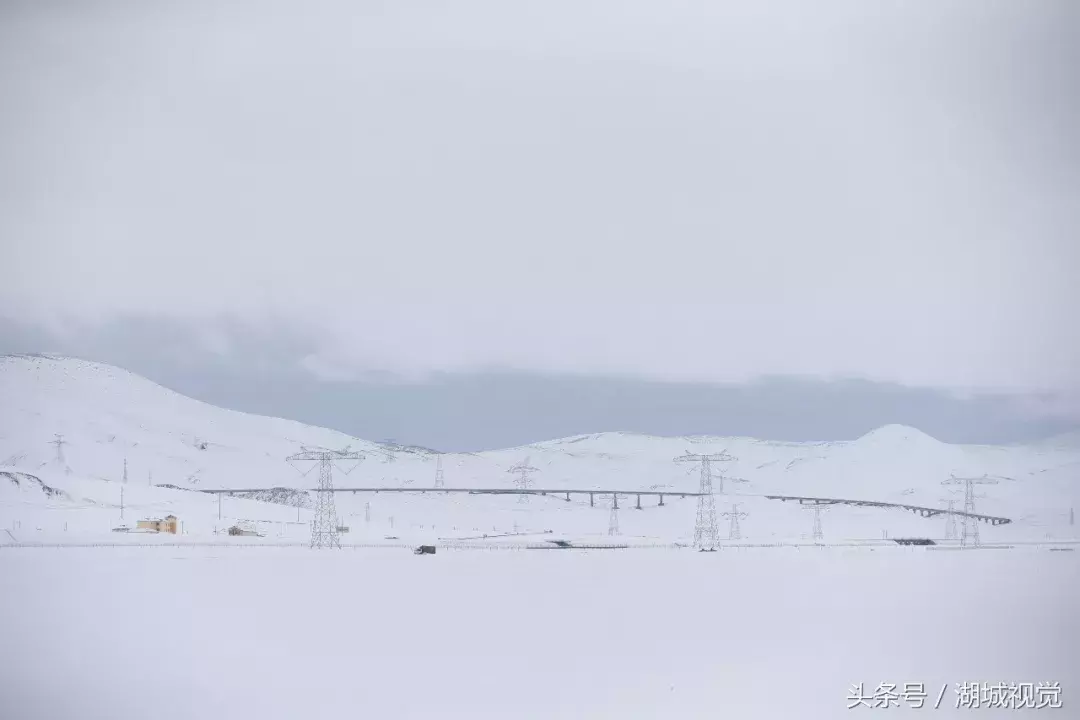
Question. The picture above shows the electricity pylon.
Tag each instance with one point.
(969, 533)
(950, 520)
(523, 470)
(324, 527)
(613, 519)
(125, 471)
(733, 530)
(60, 442)
(705, 536)
(439, 481)
(818, 508)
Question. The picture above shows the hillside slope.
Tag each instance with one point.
(106, 416)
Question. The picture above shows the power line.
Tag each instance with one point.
(705, 534)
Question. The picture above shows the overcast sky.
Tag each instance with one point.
(469, 411)
(706, 192)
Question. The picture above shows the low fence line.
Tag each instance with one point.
(522, 546)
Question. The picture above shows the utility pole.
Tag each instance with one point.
(613, 519)
(523, 470)
(439, 480)
(705, 534)
(969, 533)
(324, 528)
(733, 530)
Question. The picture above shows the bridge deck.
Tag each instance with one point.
(470, 491)
(926, 512)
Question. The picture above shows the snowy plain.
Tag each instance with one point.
(743, 633)
(105, 624)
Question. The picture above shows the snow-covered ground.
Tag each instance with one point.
(281, 633)
(106, 416)
(103, 624)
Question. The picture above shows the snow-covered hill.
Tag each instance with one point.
(173, 445)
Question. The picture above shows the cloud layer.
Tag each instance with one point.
(267, 371)
(671, 191)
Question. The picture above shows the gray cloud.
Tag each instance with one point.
(263, 371)
(668, 190)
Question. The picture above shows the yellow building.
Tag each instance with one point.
(167, 525)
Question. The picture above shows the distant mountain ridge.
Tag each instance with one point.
(106, 415)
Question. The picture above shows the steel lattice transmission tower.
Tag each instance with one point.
(388, 454)
(705, 534)
(523, 470)
(439, 480)
(734, 533)
(324, 527)
(969, 532)
(125, 471)
(613, 520)
(817, 508)
(60, 442)
(950, 520)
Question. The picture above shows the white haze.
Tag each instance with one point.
(669, 190)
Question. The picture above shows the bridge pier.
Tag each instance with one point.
(567, 497)
(639, 502)
(661, 500)
(592, 500)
